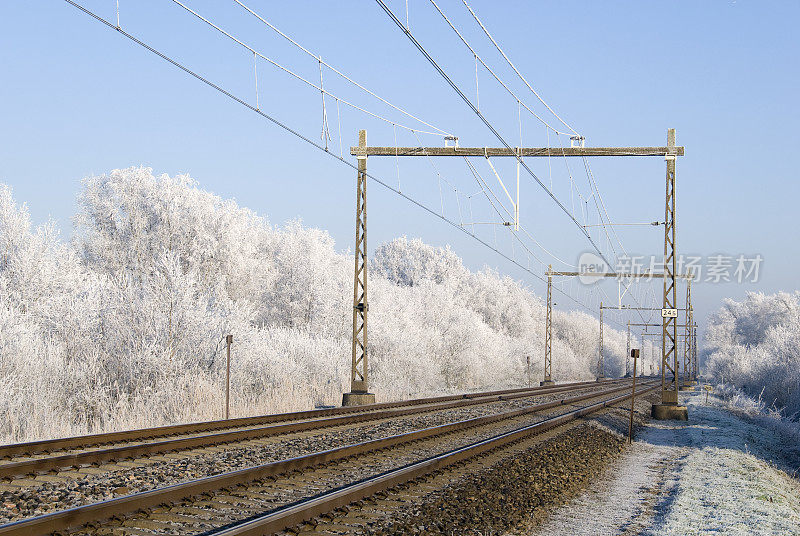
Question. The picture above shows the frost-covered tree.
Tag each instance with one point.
(755, 345)
(124, 326)
(409, 262)
(129, 219)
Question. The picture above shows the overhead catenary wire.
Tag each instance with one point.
(500, 50)
(337, 71)
(488, 124)
(478, 60)
(294, 74)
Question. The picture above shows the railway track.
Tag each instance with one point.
(40, 457)
(274, 496)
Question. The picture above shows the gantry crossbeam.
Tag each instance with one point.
(518, 151)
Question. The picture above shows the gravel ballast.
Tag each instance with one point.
(517, 491)
(80, 489)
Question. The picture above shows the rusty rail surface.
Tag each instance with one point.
(114, 453)
(97, 512)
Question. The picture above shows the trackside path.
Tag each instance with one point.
(716, 474)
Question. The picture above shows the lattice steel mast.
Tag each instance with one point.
(669, 331)
(359, 383)
(548, 331)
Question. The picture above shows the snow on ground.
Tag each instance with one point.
(716, 474)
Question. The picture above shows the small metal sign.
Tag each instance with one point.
(669, 313)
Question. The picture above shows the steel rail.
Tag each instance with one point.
(91, 440)
(97, 512)
(50, 463)
(302, 511)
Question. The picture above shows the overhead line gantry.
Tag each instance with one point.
(669, 355)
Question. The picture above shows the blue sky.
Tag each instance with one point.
(79, 99)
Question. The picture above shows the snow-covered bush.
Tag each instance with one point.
(124, 326)
(755, 345)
